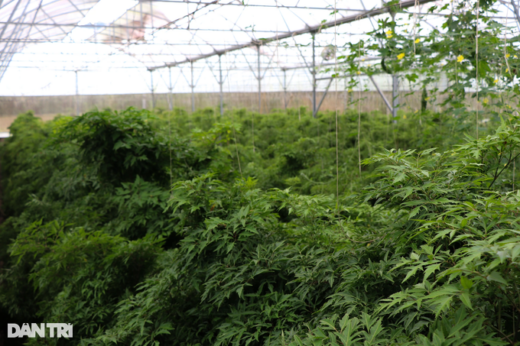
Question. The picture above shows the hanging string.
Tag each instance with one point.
(170, 132)
(236, 150)
(359, 111)
(505, 53)
(415, 26)
(510, 75)
(336, 86)
(233, 118)
(416, 4)
(253, 130)
(299, 110)
(170, 147)
(476, 53)
(500, 75)
(253, 122)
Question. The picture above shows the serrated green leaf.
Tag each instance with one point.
(495, 276)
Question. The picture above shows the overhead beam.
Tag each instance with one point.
(122, 26)
(299, 67)
(342, 76)
(307, 30)
(118, 42)
(328, 8)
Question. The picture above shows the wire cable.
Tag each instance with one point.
(336, 87)
(476, 59)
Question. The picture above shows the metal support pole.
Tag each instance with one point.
(192, 90)
(395, 95)
(152, 88)
(323, 98)
(313, 74)
(516, 12)
(259, 77)
(77, 94)
(170, 95)
(346, 99)
(221, 83)
(395, 87)
(381, 94)
(285, 89)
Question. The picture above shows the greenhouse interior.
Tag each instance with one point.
(259, 172)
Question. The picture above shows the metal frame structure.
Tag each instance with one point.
(27, 22)
(312, 30)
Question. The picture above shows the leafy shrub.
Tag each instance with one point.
(426, 254)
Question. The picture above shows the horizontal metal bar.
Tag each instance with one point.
(455, 15)
(374, 58)
(342, 77)
(330, 8)
(122, 43)
(41, 66)
(119, 26)
(309, 29)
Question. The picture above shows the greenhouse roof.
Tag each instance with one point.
(166, 32)
(88, 35)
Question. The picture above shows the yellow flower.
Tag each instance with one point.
(460, 58)
(507, 70)
(400, 56)
(389, 34)
(508, 55)
(427, 99)
(418, 40)
(485, 101)
(516, 57)
(495, 81)
(349, 90)
(358, 72)
(404, 116)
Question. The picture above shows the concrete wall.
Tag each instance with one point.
(47, 107)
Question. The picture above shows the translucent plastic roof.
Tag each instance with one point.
(179, 30)
(28, 21)
(97, 38)
(164, 31)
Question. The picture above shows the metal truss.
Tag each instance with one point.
(15, 13)
(307, 30)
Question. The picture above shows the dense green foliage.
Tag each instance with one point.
(175, 230)
(249, 229)
(295, 150)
